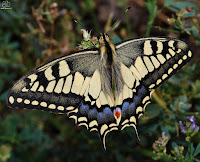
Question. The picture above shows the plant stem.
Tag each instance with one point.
(161, 102)
(153, 11)
(51, 38)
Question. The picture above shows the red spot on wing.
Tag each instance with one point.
(117, 112)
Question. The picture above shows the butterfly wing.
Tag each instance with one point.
(150, 61)
(58, 86)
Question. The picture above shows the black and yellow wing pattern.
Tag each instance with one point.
(103, 89)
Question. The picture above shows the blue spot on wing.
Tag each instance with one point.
(84, 108)
(141, 91)
(125, 110)
(100, 115)
(100, 118)
(108, 114)
(132, 106)
(92, 114)
(107, 111)
(136, 98)
(125, 106)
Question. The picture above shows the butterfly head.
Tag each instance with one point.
(103, 39)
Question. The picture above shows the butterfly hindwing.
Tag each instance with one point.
(151, 62)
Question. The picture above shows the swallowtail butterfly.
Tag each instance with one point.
(105, 88)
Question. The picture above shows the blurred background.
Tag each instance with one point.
(35, 32)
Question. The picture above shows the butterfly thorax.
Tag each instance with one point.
(110, 67)
(107, 50)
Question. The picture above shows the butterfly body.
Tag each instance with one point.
(103, 89)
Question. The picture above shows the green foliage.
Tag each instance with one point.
(189, 129)
(12, 23)
(153, 110)
(176, 6)
(5, 152)
(186, 20)
(180, 104)
(177, 151)
(153, 11)
(181, 22)
(33, 33)
(88, 42)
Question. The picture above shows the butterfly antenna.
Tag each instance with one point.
(118, 20)
(85, 28)
(79, 24)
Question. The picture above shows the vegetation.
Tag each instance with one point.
(34, 32)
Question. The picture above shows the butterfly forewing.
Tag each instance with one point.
(55, 86)
(153, 60)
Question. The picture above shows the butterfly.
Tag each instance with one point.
(105, 88)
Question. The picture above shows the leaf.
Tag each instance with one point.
(1, 84)
(192, 149)
(177, 6)
(183, 99)
(152, 127)
(173, 9)
(182, 5)
(192, 30)
(174, 80)
(168, 2)
(119, 158)
(180, 103)
(197, 107)
(174, 144)
(197, 151)
(197, 85)
(185, 106)
(151, 6)
(153, 110)
(189, 14)
(116, 39)
(165, 129)
(14, 45)
(3, 96)
(187, 156)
